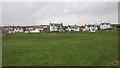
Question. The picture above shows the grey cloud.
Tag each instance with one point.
(0, 13)
(30, 13)
(60, 0)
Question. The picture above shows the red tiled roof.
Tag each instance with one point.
(38, 26)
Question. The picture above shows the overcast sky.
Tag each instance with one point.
(79, 13)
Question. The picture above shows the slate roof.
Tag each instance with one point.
(91, 25)
(105, 23)
(73, 26)
(56, 24)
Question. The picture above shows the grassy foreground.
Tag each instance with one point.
(60, 49)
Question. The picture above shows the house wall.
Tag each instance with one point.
(91, 28)
(53, 28)
(105, 26)
(72, 29)
(35, 31)
(15, 29)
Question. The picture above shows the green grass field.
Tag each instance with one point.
(61, 49)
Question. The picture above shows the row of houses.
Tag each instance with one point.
(58, 27)
(87, 27)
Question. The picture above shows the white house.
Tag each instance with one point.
(34, 31)
(35, 28)
(56, 27)
(105, 26)
(18, 30)
(40, 27)
(15, 29)
(91, 28)
(73, 28)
